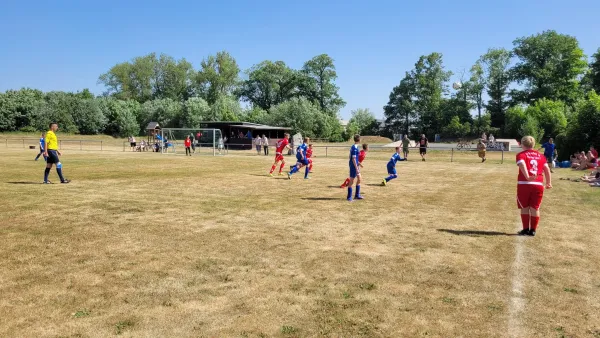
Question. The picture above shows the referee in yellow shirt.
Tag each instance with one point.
(51, 152)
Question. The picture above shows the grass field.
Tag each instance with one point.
(149, 245)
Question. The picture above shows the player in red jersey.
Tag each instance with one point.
(530, 185)
(280, 147)
(361, 157)
(309, 153)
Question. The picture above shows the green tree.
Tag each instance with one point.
(399, 112)
(514, 119)
(496, 68)
(18, 108)
(298, 113)
(549, 66)
(121, 117)
(194, 111)
(430, 84)
(172, 79)
(131, 80)
(269, 84)
(88, 116)
(550, 116)
(456, 128)
(318, 83)
(591, 80)
(365, 120)
(226, 108)
(218, 76)
(164, 111)
(255, 115)
(477, 84)
(531, 127)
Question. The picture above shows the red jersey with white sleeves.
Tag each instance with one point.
(280, 146)
(361, 156)
(309, 152)
(535, 162)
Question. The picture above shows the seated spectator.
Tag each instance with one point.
(594, 152)
(579, 158)
(592, 161)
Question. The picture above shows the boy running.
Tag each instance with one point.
(354, 170)
(481, 150)
(51, 152)
(302, 159)
(549, 152)
(42, 147)
(391, 167)
(530, 185)
(361, 158)
(280, 147)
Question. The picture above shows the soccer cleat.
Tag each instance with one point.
(270, 174)
(383, 183)
(342, 186)
(524, 232)
(65, 181)
(307, 178)
(280, 174)
(359, 197)
(289, 176)
(47, 182)
(531, 233)
(350, 199)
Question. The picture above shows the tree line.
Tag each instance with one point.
(174, 94)
(544, 86)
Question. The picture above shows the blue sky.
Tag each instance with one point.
(66, 45)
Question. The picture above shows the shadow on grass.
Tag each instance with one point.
(322, 199)
(334, 186)
(475, 232)
(24, 182)
(373, 185)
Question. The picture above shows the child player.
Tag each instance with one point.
(309, 153)
(361, 158)
(530, 185)
(354, 170)
(391, 166)
(280, 147)
(301, 158)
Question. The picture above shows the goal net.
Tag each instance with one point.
(203, 141)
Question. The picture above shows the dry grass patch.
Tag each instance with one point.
(151, 245)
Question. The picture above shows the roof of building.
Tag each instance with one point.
(152, 126)
(247, 125)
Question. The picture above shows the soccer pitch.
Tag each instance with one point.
(150, 245)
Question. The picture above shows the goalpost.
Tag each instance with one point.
(202, 140)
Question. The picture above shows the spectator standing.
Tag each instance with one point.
(265, 144)
(257, 144)
(481, 150)
(405, 145)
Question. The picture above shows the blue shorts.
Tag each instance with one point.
(391, 170)
(303, 161)
(353, 172)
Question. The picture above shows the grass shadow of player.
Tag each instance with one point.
(475, 232)
(321, 198)
(24, 182)
(373, 185)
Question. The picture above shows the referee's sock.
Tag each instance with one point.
(46, 173)
(59, 172)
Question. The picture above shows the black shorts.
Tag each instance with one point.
(423, 150)
(52, 157)
(132, 144)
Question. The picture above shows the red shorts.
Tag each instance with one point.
(529, 196)
(279, 157)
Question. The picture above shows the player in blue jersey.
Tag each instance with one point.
(354, 169)
(391, 166)
(42, 147)
(302, 159)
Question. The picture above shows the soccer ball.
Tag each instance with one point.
(457, 85)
